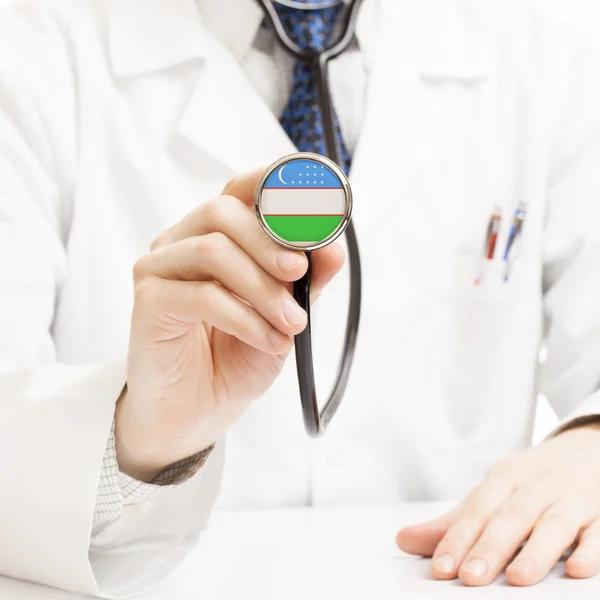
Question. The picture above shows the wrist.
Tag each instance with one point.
(143, 452)
(133, 459)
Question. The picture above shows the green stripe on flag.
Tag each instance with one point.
(303, 228)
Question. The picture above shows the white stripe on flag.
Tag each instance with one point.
(298, 201)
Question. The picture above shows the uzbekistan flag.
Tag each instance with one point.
(303, 201)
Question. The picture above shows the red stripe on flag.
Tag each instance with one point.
(306, 187)
(302, 215)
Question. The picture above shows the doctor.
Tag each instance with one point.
(125, 130)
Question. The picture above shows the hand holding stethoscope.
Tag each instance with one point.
(338, 202)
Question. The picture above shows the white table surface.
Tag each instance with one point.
(318, 554)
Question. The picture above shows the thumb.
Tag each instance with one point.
(423, 538)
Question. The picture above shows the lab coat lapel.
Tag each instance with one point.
(226, 118)
(410, 116)
(407, 118)
(156, 36)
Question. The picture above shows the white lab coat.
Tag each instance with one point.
(116, 119)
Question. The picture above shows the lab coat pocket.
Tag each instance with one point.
(482, 345)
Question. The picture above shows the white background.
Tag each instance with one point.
(584, 14)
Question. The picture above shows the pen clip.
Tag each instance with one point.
(489, 247)
(514, 233)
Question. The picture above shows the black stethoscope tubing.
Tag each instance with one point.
(316, 420)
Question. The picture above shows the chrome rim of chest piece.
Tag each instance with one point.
(303, 201)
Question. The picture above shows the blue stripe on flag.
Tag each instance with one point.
(303, 174)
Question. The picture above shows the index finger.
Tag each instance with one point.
(244, 186)
(471, 519)
(326, 262)
(241, 187)
(241, 225)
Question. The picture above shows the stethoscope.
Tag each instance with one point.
(316, 420)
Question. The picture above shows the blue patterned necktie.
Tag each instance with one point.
(311, 29)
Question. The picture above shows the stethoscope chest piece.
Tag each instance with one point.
(303, 201)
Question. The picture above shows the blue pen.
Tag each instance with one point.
(513, 235)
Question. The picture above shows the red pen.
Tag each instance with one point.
(491, 239)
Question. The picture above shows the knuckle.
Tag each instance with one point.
(209, 291)
(162, 239)
(474, 517)
(211, 212)
(218, 211)
(217, 245)
(509, 513)
(264, 244)
(141, 268)
(558, 520)
(209, 247)
(500, 471)
(230, 185)
(197, 245)
(156, 242)
(503, 523)
(227, 203)
(147, 291)
(458, 536)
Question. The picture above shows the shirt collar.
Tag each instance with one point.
(164, 33)
(236, 23)
(150, 35)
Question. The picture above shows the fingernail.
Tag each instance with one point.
(278, 340)
(288, 261)
(445, 563)
(525, 566)
(477, 567)
(292, 312)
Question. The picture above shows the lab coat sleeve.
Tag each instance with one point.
(117, 489)
(570, 376)
(55, 419)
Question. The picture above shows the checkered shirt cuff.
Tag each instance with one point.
(116, 489)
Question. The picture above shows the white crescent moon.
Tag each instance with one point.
(280, 175)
